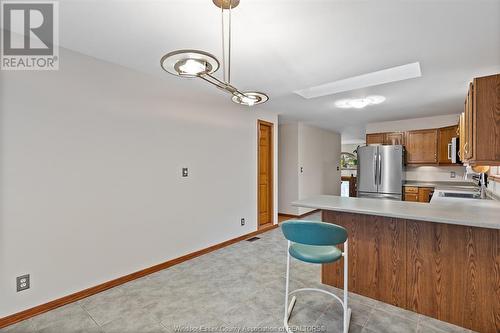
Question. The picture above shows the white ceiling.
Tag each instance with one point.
(283, 46)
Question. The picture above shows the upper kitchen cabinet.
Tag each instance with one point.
(480, 131)
(375, 138)
(392, 138)
(421, 146)
(445, 135)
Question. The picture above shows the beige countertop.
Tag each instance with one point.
(468, 212)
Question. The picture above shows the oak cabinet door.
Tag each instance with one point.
(421, 146)
(375, 138)
(395, 138)
(445, 136)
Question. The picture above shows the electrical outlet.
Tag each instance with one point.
(453, 174)
(242, 221)
(22, 282)
(185, 172)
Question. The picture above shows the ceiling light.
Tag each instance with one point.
(250, 98)
(200, 64)
(359, 103)
(393, 74)
(189, 63)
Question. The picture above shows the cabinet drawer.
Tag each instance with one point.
(411, 189)
(411, 197)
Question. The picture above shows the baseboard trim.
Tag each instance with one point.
(299, 216)
(39, 309)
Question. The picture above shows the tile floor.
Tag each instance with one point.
(239, 286)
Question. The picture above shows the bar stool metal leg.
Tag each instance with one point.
(289, 306)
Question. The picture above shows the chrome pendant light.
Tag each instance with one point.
(200, 64)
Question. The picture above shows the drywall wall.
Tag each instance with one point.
(413, 124)
(91, 185)
(319, 158)
(435, 173)
(309, 161)
(288, 169)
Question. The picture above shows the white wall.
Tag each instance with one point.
(319, 156)
(413, 124)
(288, 172)
(91, 158)
(317, 151)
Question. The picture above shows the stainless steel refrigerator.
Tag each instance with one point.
(381, 171)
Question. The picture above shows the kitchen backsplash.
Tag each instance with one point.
(435, 173)
(494, 187)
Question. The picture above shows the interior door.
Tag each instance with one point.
(367, 169)
(390, 169)
(265, 173)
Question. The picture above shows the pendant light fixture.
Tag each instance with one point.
(200, 64)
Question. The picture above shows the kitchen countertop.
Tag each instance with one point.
(468, 212)
(438, 184)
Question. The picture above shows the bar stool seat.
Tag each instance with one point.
(315, 254)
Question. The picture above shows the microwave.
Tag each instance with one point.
(454, 150)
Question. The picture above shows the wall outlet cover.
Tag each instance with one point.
(22, 282)
(242, 221)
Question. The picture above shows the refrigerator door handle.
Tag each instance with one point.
(375, 166)
(379, 169)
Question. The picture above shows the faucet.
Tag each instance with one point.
(483, 182)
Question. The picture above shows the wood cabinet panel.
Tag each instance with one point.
(394, 138)
(411, 197)
(424, 194)
(445, 135)
(453, 274)
(462, 139)
(377, 261)
(375, 138)
(444, 271)
(486, 120)
(469, 124)
(421, 146)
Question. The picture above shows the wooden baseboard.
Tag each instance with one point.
(23, 315)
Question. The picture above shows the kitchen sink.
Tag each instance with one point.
(461, 195)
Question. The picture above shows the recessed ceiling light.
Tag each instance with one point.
(393, 74)
(359, 103)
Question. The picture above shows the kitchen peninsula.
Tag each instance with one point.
(440, 259)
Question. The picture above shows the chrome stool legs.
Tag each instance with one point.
(290, 305)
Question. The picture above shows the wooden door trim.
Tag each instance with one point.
(271, 171)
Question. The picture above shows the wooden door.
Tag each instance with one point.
(375, 138)
(395, 138)
(445, 136)
(421, 146)
(265, 173)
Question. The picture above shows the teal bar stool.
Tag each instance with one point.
(315, 242)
